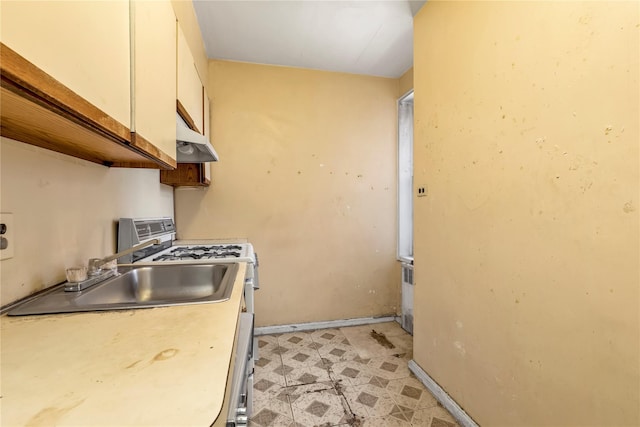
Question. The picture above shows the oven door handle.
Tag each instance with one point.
(236, 417)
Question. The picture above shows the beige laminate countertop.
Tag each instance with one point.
(157, 367)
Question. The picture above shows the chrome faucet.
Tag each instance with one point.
(96, 263)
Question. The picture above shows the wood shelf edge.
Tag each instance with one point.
(185, 175)
(114, 144)
(40, 87)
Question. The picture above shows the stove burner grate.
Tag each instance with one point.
(201, 252)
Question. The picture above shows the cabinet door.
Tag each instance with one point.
(153, 101)
(190, 90)
(82, 44)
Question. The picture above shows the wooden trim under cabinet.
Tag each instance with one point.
(185, 175)
(138, 141)
(37, 109)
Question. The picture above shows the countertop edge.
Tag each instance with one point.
(141, 349)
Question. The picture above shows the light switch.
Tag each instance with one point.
(7, 233)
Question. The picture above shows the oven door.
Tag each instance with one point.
(242, 381)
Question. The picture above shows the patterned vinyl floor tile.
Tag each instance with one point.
(272, 413)
(410, 393)
(338, 352)
(386, 422)
(266, 343)
(435, 416)
(266, 384)
(370, 401)
(390, 368)
(352, 372)
(300, 357)
(295, 339)
(341, 377)
(306, 374)
(321, 407)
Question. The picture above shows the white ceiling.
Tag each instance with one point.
(360, 37)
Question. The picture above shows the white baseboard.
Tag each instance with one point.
(281, 329)
(450, 405)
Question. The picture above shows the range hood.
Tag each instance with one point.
(192, 147)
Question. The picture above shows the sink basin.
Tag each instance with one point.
(141, 287)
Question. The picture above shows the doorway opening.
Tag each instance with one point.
(405, 178)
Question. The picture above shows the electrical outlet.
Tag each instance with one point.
(422, 191)
(7, 233)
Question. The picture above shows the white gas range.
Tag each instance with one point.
(170, 251)
(132, 232)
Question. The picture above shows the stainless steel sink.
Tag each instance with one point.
(141, 287)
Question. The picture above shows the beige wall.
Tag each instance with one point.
(64, 211)
(307, 174)
(527, 244)
(405, 82)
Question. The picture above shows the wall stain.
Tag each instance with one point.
(133, 364)
(116, 338)
(586, 186)
(51, 415)
(628, 207)
(165, 354)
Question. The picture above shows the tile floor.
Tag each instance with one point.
(355, 376)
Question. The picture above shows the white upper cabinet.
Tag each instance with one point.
(190, 89)
(82, 44)
(153, 101)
